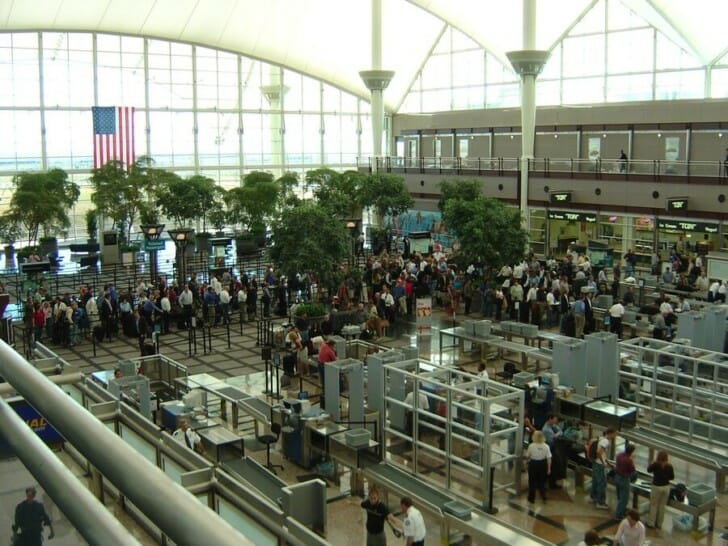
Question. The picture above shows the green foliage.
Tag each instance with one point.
(9, 229)
(41, 201)
(459, 189)
(310, 310)
(489, 232)
(340, 193)
(185, 200)
(387, 194)
(92, 223)
(255, 203)
(309, 239)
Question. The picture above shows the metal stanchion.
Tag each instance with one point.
(266, 355)
(93, 341)
(240, 313)
(277, 365)
(227, 330)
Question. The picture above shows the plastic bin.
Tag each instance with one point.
(700, 493)
(357, 437)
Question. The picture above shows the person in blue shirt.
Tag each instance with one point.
(579, 312)
(551, 430)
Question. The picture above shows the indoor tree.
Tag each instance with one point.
(255, 202)
(340, 193)
(41, 201)
(387, 194)
(489, 232)
(308, 238)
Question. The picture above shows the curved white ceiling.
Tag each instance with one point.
(330, 39)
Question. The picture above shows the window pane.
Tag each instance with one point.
(583, 56)
(627, 88)
(719, 83)
(332, 140)
(502, 96)
(619, 16)
(293, 100)
(69, 143)
(468, 68)
(680, 85)
(436, 72)
(465, 98)
(548, 92)
(68, 73)
(332, 98)
(629, 51)
(552, 68)
(592, 21)
(252, 97)
(672, 56)
(497, 72)
(411, 103)
(583, 91)
(20, 143)
(172, 142)
(217, 138)
(436, 101)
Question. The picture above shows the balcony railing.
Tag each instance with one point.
(655, 169)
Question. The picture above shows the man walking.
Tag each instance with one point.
(377, 512)
(30, 517)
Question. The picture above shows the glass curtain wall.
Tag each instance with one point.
(203, 111)
(611, 55)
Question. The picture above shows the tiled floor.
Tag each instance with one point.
(562, 520)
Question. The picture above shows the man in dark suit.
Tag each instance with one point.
(139, 329)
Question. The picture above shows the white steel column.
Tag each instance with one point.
(528, 63)
(274, 92)
(377, 81)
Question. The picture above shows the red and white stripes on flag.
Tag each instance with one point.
(113, 135)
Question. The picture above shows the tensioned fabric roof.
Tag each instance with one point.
(330, 39)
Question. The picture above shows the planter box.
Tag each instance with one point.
(48, 247)
(128, 258)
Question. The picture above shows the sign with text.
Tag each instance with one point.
(677, 204)
(560, 196)
(154, 244)
(685, 225)
(573, 216)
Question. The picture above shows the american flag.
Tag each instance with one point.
(113, 135)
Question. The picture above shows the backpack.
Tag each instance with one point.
(591, 450)
(678, 492)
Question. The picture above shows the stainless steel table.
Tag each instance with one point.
(219, 437)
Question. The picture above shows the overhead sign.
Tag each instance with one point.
(572, 216)
(154, 244)
(560, 196)
(677, 204)
(684, 225)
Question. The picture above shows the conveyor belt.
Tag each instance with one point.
(257, 476)
(408, 482)
(231, 393)
(481, 527)
(689, 451)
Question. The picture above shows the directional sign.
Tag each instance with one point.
(157, 244)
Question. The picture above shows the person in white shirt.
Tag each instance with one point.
(185, 435)
(539, 465)
(414, 524)
(166, 306)
(616, 314)
(683, 305)
(713, 291)
(225, 305)
(631, 532)
(721, 292)
(666, 308)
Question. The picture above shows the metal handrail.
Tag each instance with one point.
(179, 517)
(657, 168)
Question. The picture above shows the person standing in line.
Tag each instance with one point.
(326, 354)
(377, 512)
(551, 430)
(30, 517)
(414, 524)
(579, 311)
(616, 314)
(539, 466)
(599, 472)
(623, 470)
(662, 474)
(631, 532)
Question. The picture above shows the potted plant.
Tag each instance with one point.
(314, 312)
(128, 254)
(47, 245)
